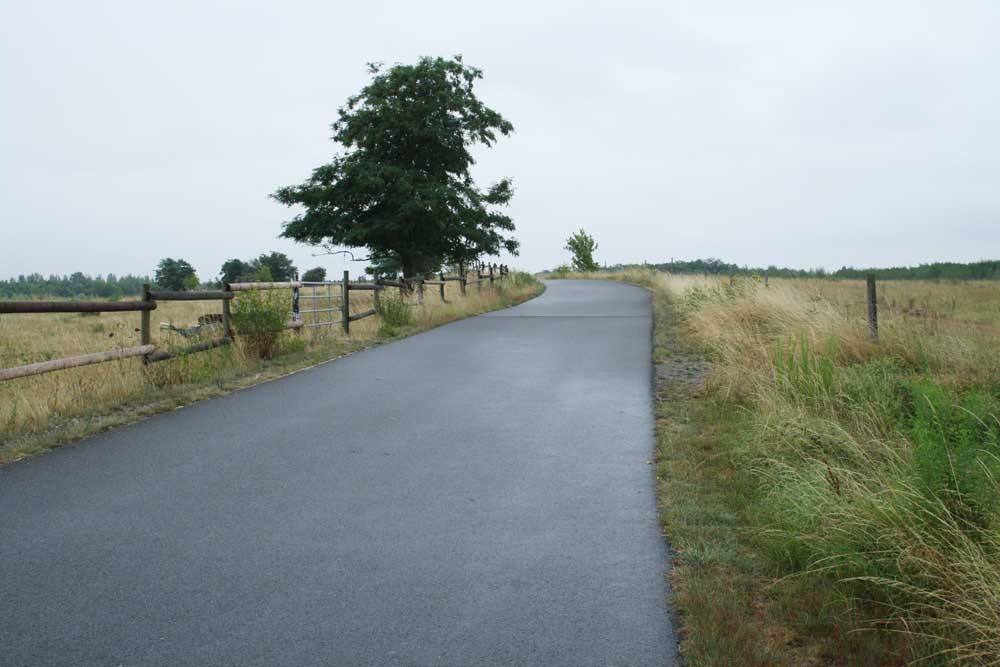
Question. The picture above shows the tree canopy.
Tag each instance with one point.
(582, 245)
(271, 267)
(315, 275)
(73, 286)
(234, 271)
(175, 274)
(278, 264)
(402, 188)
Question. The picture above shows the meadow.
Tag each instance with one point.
(46, 410)
(832, 499)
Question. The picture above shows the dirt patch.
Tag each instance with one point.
(686, 370)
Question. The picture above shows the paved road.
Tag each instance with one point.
(474, 495)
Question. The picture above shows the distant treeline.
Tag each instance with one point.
(78, 285)
(984, 270)
(72, 286)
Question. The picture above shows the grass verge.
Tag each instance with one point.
(736, 607)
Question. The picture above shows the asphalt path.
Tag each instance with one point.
(479, 494)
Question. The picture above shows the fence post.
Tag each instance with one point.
(376, 299)
(461, 283)
(491, 276)
(420, 290)
(296, 313)
(144, 334)
(345, 302)
(765, 277)
(872, 307)
(441, 286)
(226, 317)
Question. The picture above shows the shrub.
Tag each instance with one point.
(259, 319)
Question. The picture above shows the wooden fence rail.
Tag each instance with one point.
(156, 295)
(362, 315)
(73, 362)
(163, 355)
(244, 287)
(74, 306)
(147, 302)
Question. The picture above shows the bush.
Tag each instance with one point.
(259, 318)
(395, 312)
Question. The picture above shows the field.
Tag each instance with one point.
(831, 500)
(41, 411)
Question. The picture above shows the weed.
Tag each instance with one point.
(395, 311)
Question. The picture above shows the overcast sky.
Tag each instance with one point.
(793, 133)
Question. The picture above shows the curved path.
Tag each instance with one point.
(475, 495)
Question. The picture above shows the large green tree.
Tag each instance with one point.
(402, 187)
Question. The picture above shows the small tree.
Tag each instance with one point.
(316, 275)
(175, 274)
(582, 245)
(403, 188)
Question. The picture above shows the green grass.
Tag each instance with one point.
(736, 602)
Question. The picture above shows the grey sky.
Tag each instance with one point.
(793, 133)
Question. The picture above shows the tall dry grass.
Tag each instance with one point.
(39, 411)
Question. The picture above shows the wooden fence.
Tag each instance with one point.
(149, 298)
(490, 275)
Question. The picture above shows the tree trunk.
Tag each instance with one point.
(408, 264)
